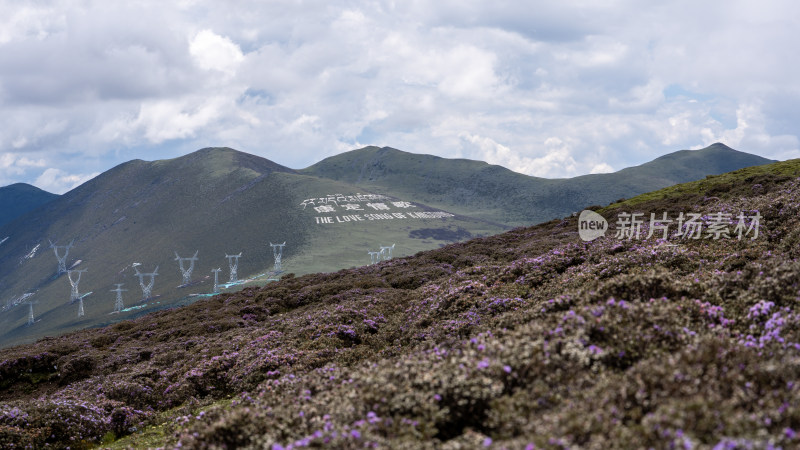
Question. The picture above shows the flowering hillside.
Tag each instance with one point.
(529, 339)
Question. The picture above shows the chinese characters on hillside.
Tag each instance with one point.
(638, 226)
(339, 208)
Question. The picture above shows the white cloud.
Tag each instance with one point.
(595, 51)
(304, 124)
(495, 153)
(177, 119)
(751, 132)
(559, 89)
(58, 182)
(214, 52)
(644, 98)
(28, 22)
(26, 162)
(7, 160)
(556, 161)
(602, 168)
(13, 165)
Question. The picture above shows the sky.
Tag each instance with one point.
(550, 89)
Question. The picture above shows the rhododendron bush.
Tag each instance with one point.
(529, 339)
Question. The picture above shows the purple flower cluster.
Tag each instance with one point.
(499, 342)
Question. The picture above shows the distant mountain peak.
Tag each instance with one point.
(212, 150)
(208, 152)
(731, 152)
(511, 198)
(20, 198)
(719, 145)
(225, 159)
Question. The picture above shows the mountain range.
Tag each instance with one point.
(492, 192)
(19, 198)
(219, 202)
(495, 342)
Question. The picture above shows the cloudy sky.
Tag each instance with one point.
(552, 89)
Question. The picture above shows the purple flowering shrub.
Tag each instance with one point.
(527, 339)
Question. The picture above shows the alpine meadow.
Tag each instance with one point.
(412, 225)
(524, 339)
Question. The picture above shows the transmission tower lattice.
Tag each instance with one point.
(80, 307)
(75, 295)
(147, 289)
(233, 264)
(62, 260)
(187, 273)
(118, 305)
(386, 252)
(277, 252)
(374, 257)
(30, 311)
(216, 280)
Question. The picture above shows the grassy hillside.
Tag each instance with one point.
(494, 193)
(742, 182)
(467, 187)
(19, 198)
(216, 201)
(344, 245)
(497, 342)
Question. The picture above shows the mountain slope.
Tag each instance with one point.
(675, 168)
(219, 201)
(216, 201)
(19, 198)
(494, 342)
(495, 193)
(469, 187)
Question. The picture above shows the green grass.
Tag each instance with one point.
(217, 201)
(331, 247)
(717, 184)
(497, 194)
(505, 338)
(214, 201)
(151, 437)
(160, 433)
(17, 199)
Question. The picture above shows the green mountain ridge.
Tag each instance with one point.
(221, 201)
(495, 193)
(20, 198)
(216, 201)
(496, 342)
